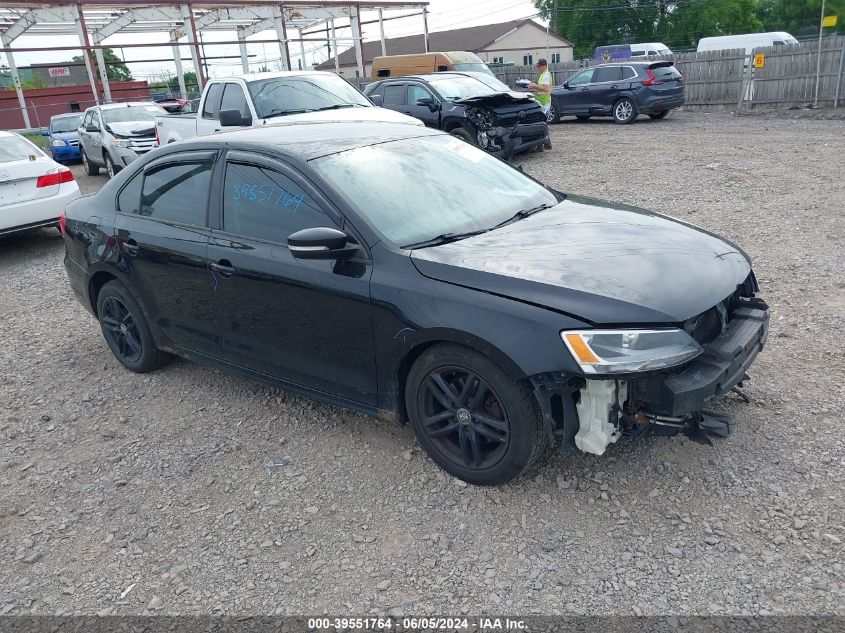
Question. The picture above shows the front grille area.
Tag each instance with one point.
(73, 143)
(711, 323)
(141, 145)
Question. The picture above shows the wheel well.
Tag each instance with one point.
(99, 280)
(494, 354)
(453, 125)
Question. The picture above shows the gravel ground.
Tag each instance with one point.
(127, 494)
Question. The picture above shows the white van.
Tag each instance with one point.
(749, 41)
(649, 49)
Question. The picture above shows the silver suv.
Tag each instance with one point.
(113, 135)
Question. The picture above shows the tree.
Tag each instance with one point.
(799, 17)
(115, 68)
(190, 82)
(677, 23)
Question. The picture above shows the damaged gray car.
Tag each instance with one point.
(494, 118)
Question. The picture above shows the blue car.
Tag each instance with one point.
(64, 139)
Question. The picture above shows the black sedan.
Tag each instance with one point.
(402, 272)
(494, 118)
(622, 91)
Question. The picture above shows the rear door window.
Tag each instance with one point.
(211, 107)
(394, 94)
(177, 192)
(607, 73)
(266, 204)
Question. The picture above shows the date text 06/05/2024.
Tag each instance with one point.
(415, 624)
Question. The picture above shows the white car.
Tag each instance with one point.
(34, 188)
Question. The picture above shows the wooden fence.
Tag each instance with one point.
(728, 79)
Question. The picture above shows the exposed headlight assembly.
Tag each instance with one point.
(624, 351)
(58, 143)
(120, 142)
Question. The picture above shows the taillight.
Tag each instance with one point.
(48, 180)
(63, 223)
(652, 80)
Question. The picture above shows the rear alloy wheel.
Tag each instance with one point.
(90, 168)
(110, 168)
(472, 418)
(659, 115)
(624, 111)
(126, 330)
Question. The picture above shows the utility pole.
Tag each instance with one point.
(553, 21)
(819, 57)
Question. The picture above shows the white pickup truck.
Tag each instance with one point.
(265, 98)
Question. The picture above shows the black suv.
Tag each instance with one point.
(492, 117)
(621, 90)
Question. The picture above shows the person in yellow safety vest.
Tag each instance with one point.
(542, 89)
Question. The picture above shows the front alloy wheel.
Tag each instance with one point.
(474, 419)
(110, 169)
(552, 115)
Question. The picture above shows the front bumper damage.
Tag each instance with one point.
(591, 414)
(506, 136)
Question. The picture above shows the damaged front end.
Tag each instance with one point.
(591, 412)
(504, 124)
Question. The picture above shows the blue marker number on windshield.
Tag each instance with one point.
(268, 194)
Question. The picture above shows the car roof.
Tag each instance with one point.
(273, 75)
(123, 104)
(305, 141)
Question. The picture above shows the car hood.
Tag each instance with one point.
(373, 113)
(73, 135)
(132, 128)
(600, 262)
(495, 99)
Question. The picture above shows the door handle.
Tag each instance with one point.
(130, 247)
(224, 267)
(585, 89)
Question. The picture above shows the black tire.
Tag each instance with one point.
(111, 168)
(659, 115)
(624, 111)
(583, 117)
(463, 134)
(553, 116)
(90, 168)
(491, 430)
(126, 330)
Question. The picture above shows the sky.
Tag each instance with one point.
(443, 15)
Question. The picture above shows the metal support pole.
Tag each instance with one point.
(425, 28)
(244, 58)
(104, 77)
(278, 19)
(301, 49)
(381, 32)
(180, 72)
(839, 75)
(819, 58)
(334, 45)
(188, 18)
(355, 23)
(86, 51)
(16, 80)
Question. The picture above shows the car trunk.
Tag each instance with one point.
(669, 82)
(19, 180)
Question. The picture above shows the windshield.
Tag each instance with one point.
(416, 189)
(132, 113)
(475, 68)
(307, 93)
(66, 123)
(453, 87)
(492, 82)
(16, 148)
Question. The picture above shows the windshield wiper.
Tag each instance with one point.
(336, 106)
(524, 213)
(444, 238)
(276, 113)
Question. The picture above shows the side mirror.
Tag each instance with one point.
(377, 100)
(234, 118)
(321, 242)
(92, 128)
(428, 101)
(45, 131)
(566, 85)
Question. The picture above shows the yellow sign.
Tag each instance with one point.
(759, 60)
(828, 21)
